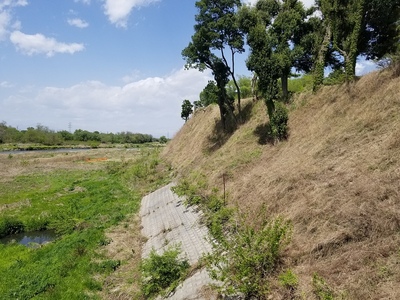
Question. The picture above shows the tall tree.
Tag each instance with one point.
(187, 109)
(287, 33)
(275, 31)
(216, 30)
(361, 27)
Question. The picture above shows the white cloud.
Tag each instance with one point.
(151, 105)
(118, 11)
(6, 16)
(87, 2)
(365, 66)
(12, 3)
(6, 84)
(5, 19)
(78, 23)
(38, 44)
(307, 3)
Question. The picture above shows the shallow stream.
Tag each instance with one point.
(27, 238)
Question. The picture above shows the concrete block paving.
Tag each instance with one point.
(166, 222)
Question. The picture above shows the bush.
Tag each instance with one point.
(10, 226)
(162, 273)
(244, 260)
(321, 288)
(278, 122)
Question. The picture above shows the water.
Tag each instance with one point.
(27, 238)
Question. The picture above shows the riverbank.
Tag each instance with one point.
(82, 197)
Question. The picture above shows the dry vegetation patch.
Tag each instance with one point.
(337, 178)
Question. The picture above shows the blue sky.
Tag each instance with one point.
(106, 65)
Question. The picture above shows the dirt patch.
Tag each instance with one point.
(15, 205)
(125, 245)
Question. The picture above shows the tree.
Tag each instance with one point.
(216, 30)
(255, 21)
(163, 139)
(279, 28)
(244, 85)
(360, 27)
(208, 95)
(287, 33)
(187, 110)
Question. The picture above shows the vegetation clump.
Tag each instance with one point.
(245, 260)
(279, 122)
(161, 274)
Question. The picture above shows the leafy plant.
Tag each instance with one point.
(278, 121)
(162, 273)
(288, 279)
(322, 289)
(244, 260)
(9, 226)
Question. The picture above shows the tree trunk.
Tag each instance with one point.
(319, 66)
(285, 92)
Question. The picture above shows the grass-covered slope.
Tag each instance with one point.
(337, 178)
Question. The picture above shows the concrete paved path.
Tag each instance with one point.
(166, 221)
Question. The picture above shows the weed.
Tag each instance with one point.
(288, 279)
(162, 273)
(243, 261)
(9, 225)
(321, 288)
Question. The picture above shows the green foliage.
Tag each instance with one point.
(45, 136)
(163, 139)
(187, 109)
(208, 95)
(335, 77)
(215, 31)
(10, 225)
(279, 122)
(245, 259)
(81, 205)
(216, 214)
(244, 85)
(162, 273)
(321, 288)
(288, 279)
(300, 84)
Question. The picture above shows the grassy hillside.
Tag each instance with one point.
(337, 178)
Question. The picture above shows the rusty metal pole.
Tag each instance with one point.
(223, 178)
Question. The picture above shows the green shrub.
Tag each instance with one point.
(243, 261)
(321, 288)
(162, 273)
(10, 226)
(37, 224)
(288, 279)
(279, 122)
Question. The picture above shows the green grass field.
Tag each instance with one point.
(80, 203)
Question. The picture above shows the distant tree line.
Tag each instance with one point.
(43, 135)
(284, 37)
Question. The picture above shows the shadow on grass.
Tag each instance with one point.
(221, 135)
(264, 134)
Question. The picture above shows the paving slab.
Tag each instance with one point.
(166, 222)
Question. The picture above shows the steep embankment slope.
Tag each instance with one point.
(337, 178)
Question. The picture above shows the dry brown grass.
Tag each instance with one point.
(125, 245)
(32, 162)
(337, 178)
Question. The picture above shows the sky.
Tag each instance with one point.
(99, 65)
